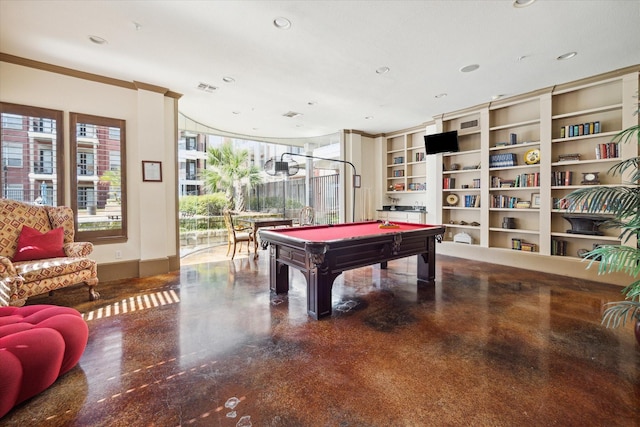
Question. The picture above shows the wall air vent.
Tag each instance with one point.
(469, 124)
(291, 114)
(207, 87)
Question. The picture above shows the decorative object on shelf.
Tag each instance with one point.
(582, 253)
(535, 200)
(590, 178)
(463, 238)
(452, 199)
(454, 167)
(532, 156)
(523, 204)
(568, 157)
(626, 216)
(585, 224)
(508, 222)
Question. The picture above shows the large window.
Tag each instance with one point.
(98, 181)
(31, 154)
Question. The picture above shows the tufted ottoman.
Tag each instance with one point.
(37, 344)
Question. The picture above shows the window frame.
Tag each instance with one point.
(43, 113)
(107, 235)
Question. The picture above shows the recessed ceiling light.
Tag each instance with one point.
(292, 114)
(522, 3)
(235, 112)
(282, 23)
(495, 97)
(97, 40)
(368, 118)
(228, 79)
(567, 55)
(382, 70)
(521, 58)
(312, 103)
(441, 95)
(469, 68)
(137, 26)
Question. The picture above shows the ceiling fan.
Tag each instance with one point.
(273, 167)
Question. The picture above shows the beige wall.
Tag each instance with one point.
(151, 131)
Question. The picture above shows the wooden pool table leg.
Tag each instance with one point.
(319, 287)
(426, 268)
(278, 273)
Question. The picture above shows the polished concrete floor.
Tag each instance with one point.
(210, 346)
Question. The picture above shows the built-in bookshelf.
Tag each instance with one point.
(520, 157)
(514, 174)
(405, 162)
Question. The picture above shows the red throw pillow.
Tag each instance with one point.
(33, 244)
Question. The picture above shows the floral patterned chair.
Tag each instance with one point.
(31, 259)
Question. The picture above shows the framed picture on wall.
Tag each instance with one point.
(151, 171)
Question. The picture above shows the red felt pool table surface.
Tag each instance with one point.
(325, 233)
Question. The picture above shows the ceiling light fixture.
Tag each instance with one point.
(137, 26)
(368, 118)
(521, 58)
(496, 97)
(522, 3)
(97, 40)
(228, 79)
(441, 95)
(292, 114)
(383, 70)
(567, 55)
(469, 68)
(282, 23)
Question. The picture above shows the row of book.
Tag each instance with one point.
(398, 173)
(500, 201)
(581, 129)
(503, 160)
(417, 186)
(522, 180)
(521, 245)
(560, 178)
(420, 156)
(558, 247)
(471, 201)
(607, 150)
(448, 183)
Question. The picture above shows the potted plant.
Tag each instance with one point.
(623, 203)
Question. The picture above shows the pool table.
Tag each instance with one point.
(323, 252)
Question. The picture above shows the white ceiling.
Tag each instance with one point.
(329, 56)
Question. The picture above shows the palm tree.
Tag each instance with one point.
(229, 171)
(624, 203)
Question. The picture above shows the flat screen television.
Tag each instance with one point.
(445, 142)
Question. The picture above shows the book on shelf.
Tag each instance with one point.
(521, 245)
(471, 201)
(607, 150)
(568, 157)
(558, 247)
(448, 183)
(561, 178)
(571, 131)
(503, 160)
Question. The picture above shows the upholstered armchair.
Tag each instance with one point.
(38, 253)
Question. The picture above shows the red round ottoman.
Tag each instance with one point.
(37, 344)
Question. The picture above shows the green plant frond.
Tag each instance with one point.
(632, 291)
(615, 258)
(617, 313)
(595, 199)
(621, 167)
(627, 134)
